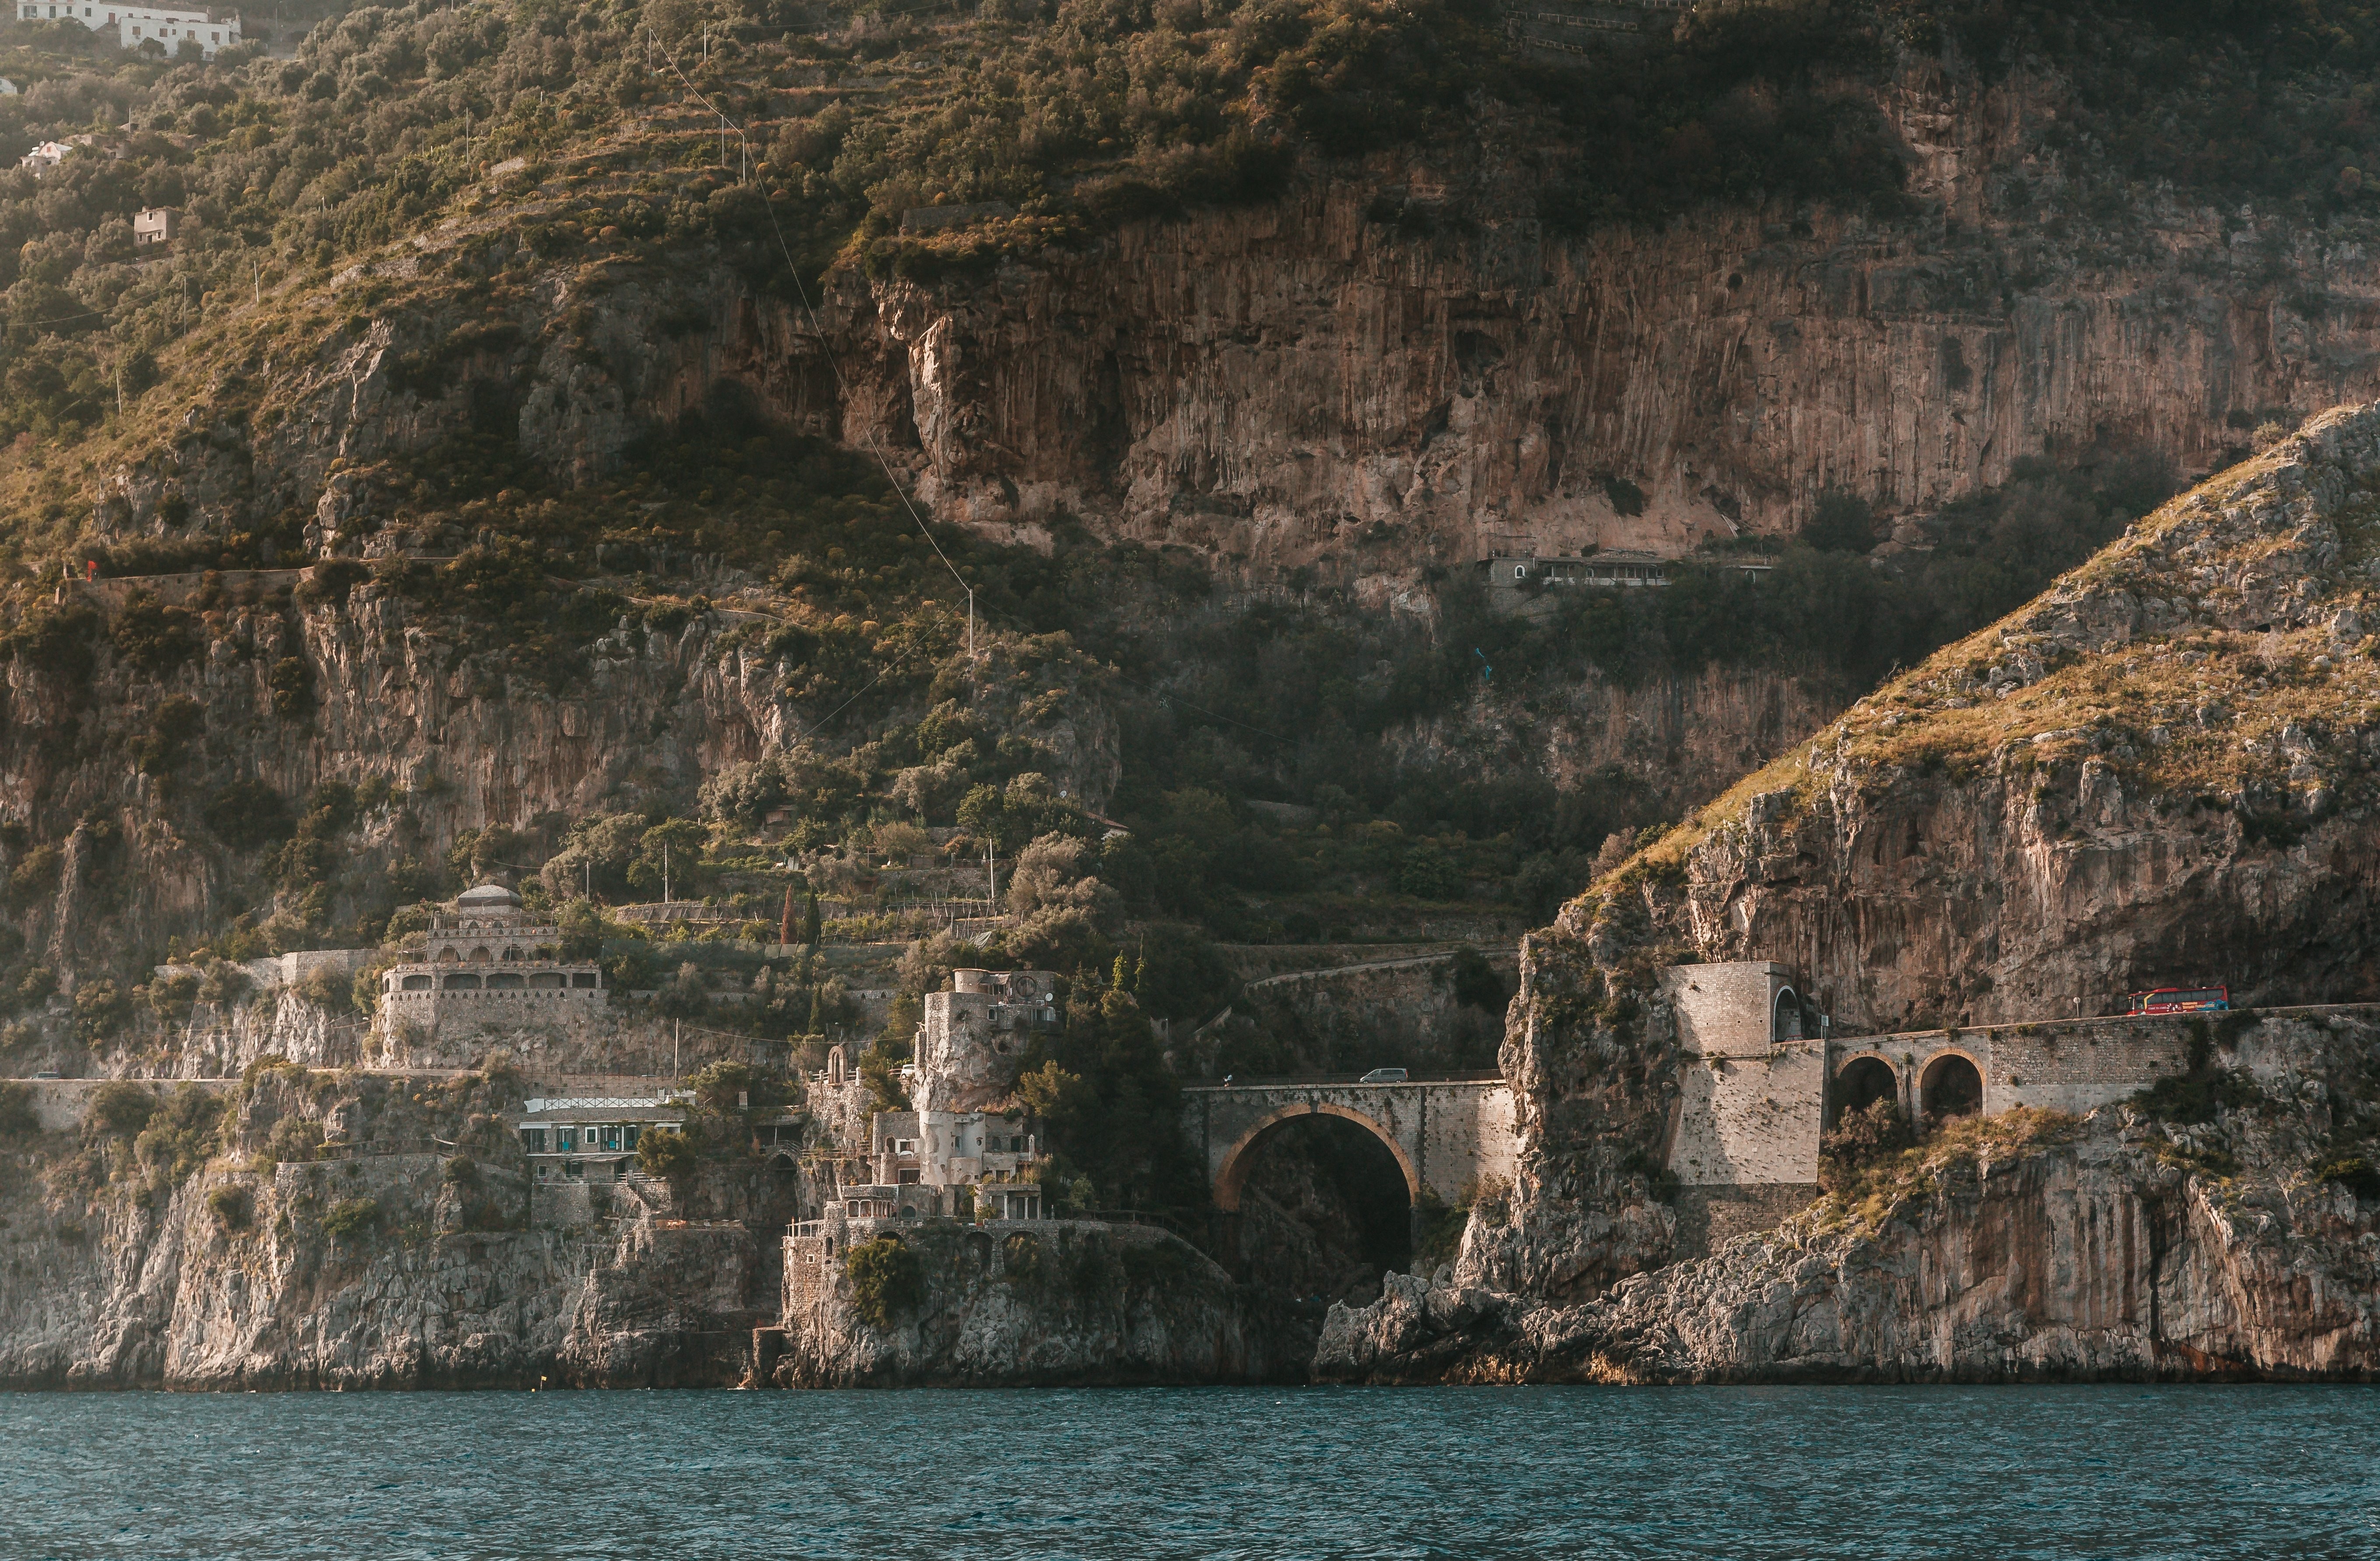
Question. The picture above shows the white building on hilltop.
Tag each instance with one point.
(171, 26)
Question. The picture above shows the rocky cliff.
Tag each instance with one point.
(2022, 1247)
(206, 1241)
(1399, 363)
(1031, 1304)
(2157, 772)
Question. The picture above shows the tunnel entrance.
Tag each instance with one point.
(1952, 1087)
(1324, 1212)
(1862, 1084)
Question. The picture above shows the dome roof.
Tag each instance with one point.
(487, 896)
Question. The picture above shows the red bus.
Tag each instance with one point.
(2179, 1000)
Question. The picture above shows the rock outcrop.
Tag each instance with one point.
(150, 1261)
(2157, 772)
(2024, 1247)
(1033, 1304)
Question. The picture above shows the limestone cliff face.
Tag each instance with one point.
(2021, 1246)
(2158, 771)
(385, 1266)
(1014, 1306)
(1396, 363)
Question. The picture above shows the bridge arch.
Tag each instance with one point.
(1232, 1176)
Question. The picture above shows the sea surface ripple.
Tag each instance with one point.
(2002, 1472)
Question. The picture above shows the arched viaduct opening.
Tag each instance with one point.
(1951, 1086)
(1859, 1084)
(1323, 1200)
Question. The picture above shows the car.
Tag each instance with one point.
(1383, 1076)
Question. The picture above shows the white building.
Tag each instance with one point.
(490, 962)
(171, 26)
(155, 225)
(44, 157)
(594, 1138)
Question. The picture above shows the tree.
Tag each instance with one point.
(1842, 523)
(663, 1154)
(811, 926)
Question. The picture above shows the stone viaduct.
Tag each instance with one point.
(1447, 1134)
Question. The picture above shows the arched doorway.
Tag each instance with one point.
(1785, 1017)
(1862, 1083)
(1952, 1086)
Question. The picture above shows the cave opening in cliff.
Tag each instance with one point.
(1324, 1212)
(1862, 1084)
(1952, 1087)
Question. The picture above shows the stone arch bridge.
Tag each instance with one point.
(1447, 1133)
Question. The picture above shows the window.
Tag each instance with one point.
(628, 1135)
(574, 1169)
(1520, 572)
(566, 1139)
(533, 1139)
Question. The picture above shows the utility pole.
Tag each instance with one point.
(665, 872)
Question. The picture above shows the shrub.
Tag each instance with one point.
(664, 1155)
(99, 1007)
(17, 1119)
(351, 1217)
(886, 1279)
(233, 1207)
(181, 1133)
(2354, 1172)
(121, 1106)
(247, 814)
(152, 637)
(1430, 873)
(35, 877)
(1861, 1139)
(294, 1139)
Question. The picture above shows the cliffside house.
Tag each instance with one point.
(154, 226)
(595, 1138)
(952, 1151)
(44, 157)
(487, 961)
(168, 26)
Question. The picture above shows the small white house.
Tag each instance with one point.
(44, 157)
(155, 225)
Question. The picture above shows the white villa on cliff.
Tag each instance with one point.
(490, 961)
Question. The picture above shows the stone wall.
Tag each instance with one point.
(1749, 1121)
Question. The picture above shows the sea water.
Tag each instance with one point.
(990, 1476)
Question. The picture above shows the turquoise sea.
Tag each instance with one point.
(1803, 1472)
